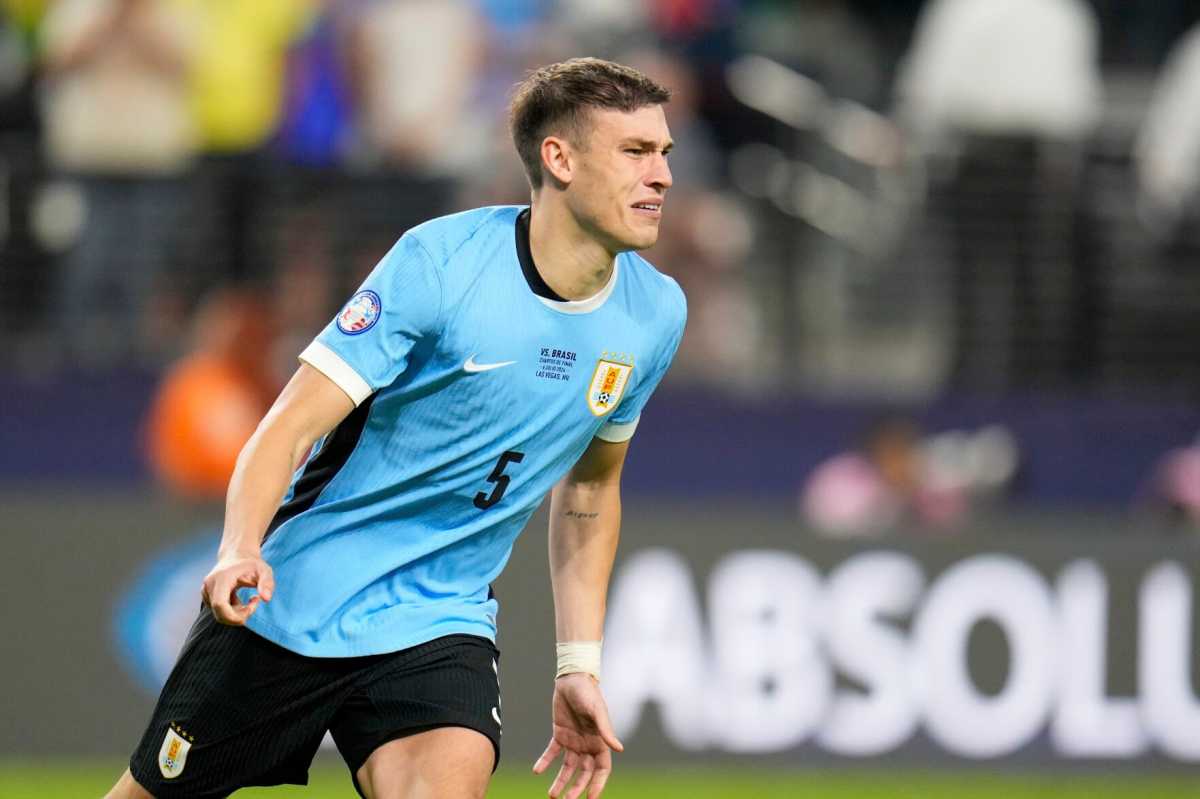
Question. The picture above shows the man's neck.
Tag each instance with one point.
(571, 262)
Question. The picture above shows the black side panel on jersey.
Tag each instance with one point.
(328, 462)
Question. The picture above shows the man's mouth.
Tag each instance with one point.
(653, 208)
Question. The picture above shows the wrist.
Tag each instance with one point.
(578, 657)
(238, 552)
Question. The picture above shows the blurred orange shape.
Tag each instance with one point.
(203, 413)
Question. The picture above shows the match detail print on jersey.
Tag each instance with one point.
(472, 366)
(172, 757)
(608, 382)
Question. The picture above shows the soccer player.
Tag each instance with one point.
(491, 356)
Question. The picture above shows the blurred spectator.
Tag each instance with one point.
(1025, 67)
(116, 72)
(696, 158)
(704, 241)
(117, 119)
(24, 290)
(900, 479)
(306, 292)
(19, 24)
(1014, 88)
(237, 96)
(520, 37)
(705, 235)
(870, 491)
(823, 39)
(211, 400)
(1010, 87)
(1167, 153)
(238, 82)
(515, 21)
(690, 19)
(601, 25)
(1177, 486)
(416, 72)
(316, 128)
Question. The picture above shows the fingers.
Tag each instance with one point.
(266, 583)
(593, 771)
(570, 762)
(222, 595)
(227, 607)
(245, 611)
(543, 762)
(220, 592)
(600, 779)
(587, 767)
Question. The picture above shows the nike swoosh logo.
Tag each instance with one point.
(471, 366)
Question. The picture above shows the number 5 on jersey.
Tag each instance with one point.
(485, 501)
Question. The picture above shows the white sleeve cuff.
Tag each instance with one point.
(615, 433)
(330, 364)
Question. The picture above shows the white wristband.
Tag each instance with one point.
(578, 657)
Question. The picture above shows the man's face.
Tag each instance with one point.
(622, 176)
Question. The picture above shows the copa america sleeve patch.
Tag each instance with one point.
(360, 314)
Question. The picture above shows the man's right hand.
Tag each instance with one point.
(232, 572)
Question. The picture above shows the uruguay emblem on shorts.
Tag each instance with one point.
(173, 754)
(360, 314)
(608, 382)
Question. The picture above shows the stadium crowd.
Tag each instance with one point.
(873, 200)
(853, 177)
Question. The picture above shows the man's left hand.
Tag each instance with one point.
(583, 733)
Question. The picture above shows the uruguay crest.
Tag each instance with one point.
(608, 382)
(173, 755)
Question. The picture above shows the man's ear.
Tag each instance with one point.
(558, 159)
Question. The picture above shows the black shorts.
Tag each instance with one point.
(239, 710)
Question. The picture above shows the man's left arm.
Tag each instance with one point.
(585, 524)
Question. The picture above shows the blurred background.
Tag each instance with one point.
(922, 490)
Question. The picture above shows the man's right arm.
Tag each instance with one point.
(308, 407)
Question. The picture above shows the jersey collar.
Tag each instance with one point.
(546, 295)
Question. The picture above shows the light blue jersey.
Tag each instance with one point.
(474, 396)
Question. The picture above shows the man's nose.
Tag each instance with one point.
(659, 176)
